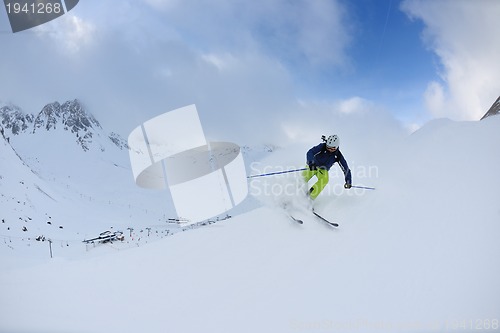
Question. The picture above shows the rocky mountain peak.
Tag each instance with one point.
(13, 119)
(48, 117)
(71, 116)
(76, 118)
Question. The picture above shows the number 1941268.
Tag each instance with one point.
(33, 8)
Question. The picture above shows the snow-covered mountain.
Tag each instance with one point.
(71, 116)
(494, 109)
(64, 177)
(418, 254)
(14, 120)
(22, 192)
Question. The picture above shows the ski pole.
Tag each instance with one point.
(276, 173)
(363, 187)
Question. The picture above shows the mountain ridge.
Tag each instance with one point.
(70, 116)
(494, 110)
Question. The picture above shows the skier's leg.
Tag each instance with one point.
(307, 174)
(316, 189)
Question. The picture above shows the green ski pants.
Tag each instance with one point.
(321, 175)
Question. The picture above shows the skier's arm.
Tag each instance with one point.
(313, 151)
(346, 170)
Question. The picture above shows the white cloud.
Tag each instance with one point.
(313, 32)
(70, 33)
(78, 33)
(434, 98)
(464, 35)
(353, 119)
(355, 105)
(220, 61)
(324, 33)
(131, 60)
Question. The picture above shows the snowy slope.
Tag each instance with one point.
(68, 180)
(419, 254)
(73, 180)
(25, 198)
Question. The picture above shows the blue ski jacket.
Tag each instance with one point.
(322, 158)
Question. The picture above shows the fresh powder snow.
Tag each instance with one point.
(418, 254)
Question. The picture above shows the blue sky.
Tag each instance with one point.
(388, 61)
(275, 65)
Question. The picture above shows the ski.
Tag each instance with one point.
(333, 224)
(285, 206)
(296, 219)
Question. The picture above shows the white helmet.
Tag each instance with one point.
(333, 141)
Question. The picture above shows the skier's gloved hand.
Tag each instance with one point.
(347, 186)
(312, 165)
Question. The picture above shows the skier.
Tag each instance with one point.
(320, 159)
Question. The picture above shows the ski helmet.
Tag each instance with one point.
(333, 141)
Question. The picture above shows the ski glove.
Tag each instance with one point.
(312, 165)
(347, 186)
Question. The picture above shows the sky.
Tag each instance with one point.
(260, 70)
